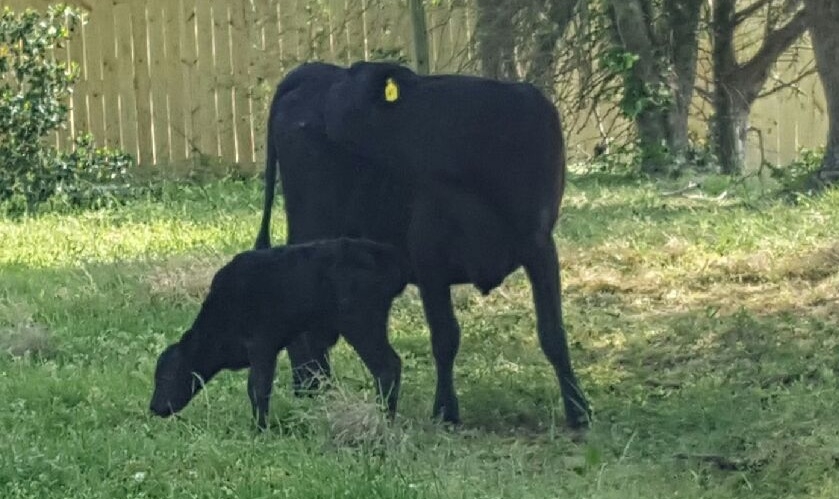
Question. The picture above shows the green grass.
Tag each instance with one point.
(703, 330)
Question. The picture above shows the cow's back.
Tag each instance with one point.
(509, 147)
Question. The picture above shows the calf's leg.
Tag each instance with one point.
(542, 267)
(445, 342)
(309, 363)
(263, 363)
(370, 341)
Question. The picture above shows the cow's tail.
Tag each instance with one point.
(263, 239)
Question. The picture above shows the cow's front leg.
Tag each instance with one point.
(445, 341)
(368, 336)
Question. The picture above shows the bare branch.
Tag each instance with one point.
(789, 84)
(773, 46)
(748, 11)
(705, 94)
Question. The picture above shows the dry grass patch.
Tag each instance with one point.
(618, 255)
(356, 420)
(755, 267)
(20, 334)
(760, 281)
(183, 278)
(814, 265)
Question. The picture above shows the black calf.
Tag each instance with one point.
(263, 299)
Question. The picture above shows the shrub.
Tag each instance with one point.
(34, 89)
(795, 177)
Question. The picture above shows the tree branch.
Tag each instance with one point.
(706, 95)
(748, 11)
(788, 84)
(540, 72)
(754, 71)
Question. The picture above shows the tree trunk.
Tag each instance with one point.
(667, 55)
(683, 23)
(731, 124)
(542, 66)
(728, 98)
(823, 24)
(633, 31)
(737, 85)
(496, 38)
(420, 32)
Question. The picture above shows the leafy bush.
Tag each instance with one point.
(34, 89)
(617, 159)
(795, 177)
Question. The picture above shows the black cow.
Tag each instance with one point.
(263, 299)
(464, 174)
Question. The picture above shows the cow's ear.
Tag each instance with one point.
(391, 90)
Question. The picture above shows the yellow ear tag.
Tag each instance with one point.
(391, 90)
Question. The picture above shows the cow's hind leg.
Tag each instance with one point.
(445, 341)
(542, 267)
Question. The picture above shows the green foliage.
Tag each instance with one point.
(394, 54)
(34, 88)
(795, 177)
(625, 159)
(620, 159)
(637, 96)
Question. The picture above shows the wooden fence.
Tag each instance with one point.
(189, 81)
(174, 81)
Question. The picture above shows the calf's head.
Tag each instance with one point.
(174, 382)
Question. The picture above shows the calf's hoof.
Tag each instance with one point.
(577, 414)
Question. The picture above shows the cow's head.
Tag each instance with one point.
(367, 109)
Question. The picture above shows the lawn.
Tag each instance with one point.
(703, 330)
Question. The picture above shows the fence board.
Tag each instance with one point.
(142, 85)
(204, 124)
(103, 15)
(79, 122)
(155, 12)
(95, 86)
(190, 59)
(125, 67)
(241, 63)
(224, 81)
(261, 67)
(176, 79)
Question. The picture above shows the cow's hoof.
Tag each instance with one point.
(448, 415)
